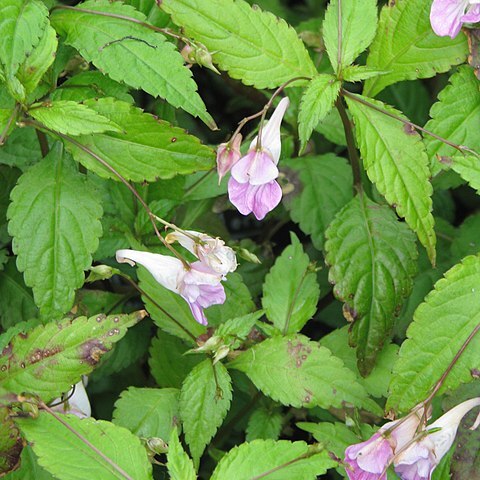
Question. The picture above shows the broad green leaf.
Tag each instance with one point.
(81, 119)
(251, 45)
(55, 201)
(273, 460)
(298, 372)
(357, 22)
(131, 53)
(440, 328)
(10, 442)
(455, 117)
(407, 48)
(50, 358)
(467, 166)
(372, 258)
(331, 127)
(148, 412)
(147, 149)
(8, 112)
(204, 401)
(179, 465)
(21, 26)
(396, 162)
(264, 423)
(67, 457)
(325, 187)
(29, 468)
(465, 463)
(39, 61)
(21, 148)
(467, 242)
(291, 291)
(317, 101)
(238, 327)
(357, 73)
(168, 363)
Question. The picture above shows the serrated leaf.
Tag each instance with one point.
(204, 401)
(21, 148)
(317, 101)
(8, 112)
(455, 117)
(291, 291)
(238, 327)
(326, 186)
(442, 324)
(407, 48)
(358, 23)
(357, 73)
(275, 460)
(331, 127)
(467, 242)
(148, 412)
(251, 45)
(131, 53)
(179, 465)
(395, 160)
(147, 149)
(81, 119)
(50, 358)
(54, 200)
(467, 166)
(21, 25)
(372, 258)
(298, 372)
(67, 457)
(264, 423)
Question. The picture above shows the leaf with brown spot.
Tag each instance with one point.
(11, 444)
(52, 357)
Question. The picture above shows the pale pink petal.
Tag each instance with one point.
(265, 199)
(237, 193)
(256, 168)
(472, 15)
(446, 16)
(368, 460)
(228, 155)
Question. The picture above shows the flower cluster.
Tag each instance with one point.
(447, 16)
(414, 451)
(253, 186)
(199, 283)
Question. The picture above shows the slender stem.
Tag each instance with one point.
(284, 465)
(4, 133)
(351, 147)
(90, 445)
(339, 39)
(66, 399)
(42, 140)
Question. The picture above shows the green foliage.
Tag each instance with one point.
(465, 463)
(396, 162)
(441, 325)
(204, 401)
(406, 47)
(372, 258)
(179, 465)
(264, 423)
(291, 292)
(68, 457)
(468, 167)
(253, 46)
(48, 359)
(467, 242)
(55, 201)
(357, 22)
(10, 442)
(278, 460)
(21, 148)
(129, 52)
(29, 468)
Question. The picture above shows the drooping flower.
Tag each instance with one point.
(77, 402)
(252, 186)
(419, 460)
(196, 283)
(228, 155)
(447, 16)
(211, 251)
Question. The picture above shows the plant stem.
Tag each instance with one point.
(42, 140)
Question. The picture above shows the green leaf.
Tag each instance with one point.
(455, 117)
(291, 291)
(465, 463)
(407, 48)
(204, 401)
(317, 101)
(29, 468)
(129, 52)
(357, 73)
(467, 166)
(372, 258)
(147, 150)
(264, 423)
(50, 358)
(148, 412)
(179, 465)
(276, 460)
(396, 162)
(358, 22)
(55, 201)
(253, 46)
(39, 61)
(238, 327)
(440, 328)
(467, 242)
(67, 457)
(22, 23)
(81, 119)
(21, 148)
(11, 444)
(326, 186)
(8, 112)
(331, 127)
(298, 372)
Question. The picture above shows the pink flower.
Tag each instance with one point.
(447, 16)
(252, 187)
(197, 284)
(77, 403)
(419, 460)
(228, 155)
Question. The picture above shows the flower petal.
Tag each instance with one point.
(446, 16)
(265, 199)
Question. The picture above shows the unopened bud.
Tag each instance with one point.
(197, 53)
(157, 445)
(101, 272)
(222, 352)
(228, 155)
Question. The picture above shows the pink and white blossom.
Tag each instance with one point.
(448, 16)
(228, 155)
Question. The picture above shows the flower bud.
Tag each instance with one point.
(197, 53)
(228, 155)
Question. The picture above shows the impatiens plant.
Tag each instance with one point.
(239, 239)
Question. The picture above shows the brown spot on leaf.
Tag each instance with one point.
(40, 354)
(100, 318)
(409, 129)
(298, 351)
(308, 397)
(174, 139)
(7, 351)
(92, 351)
(475, 372)
(349, 313)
